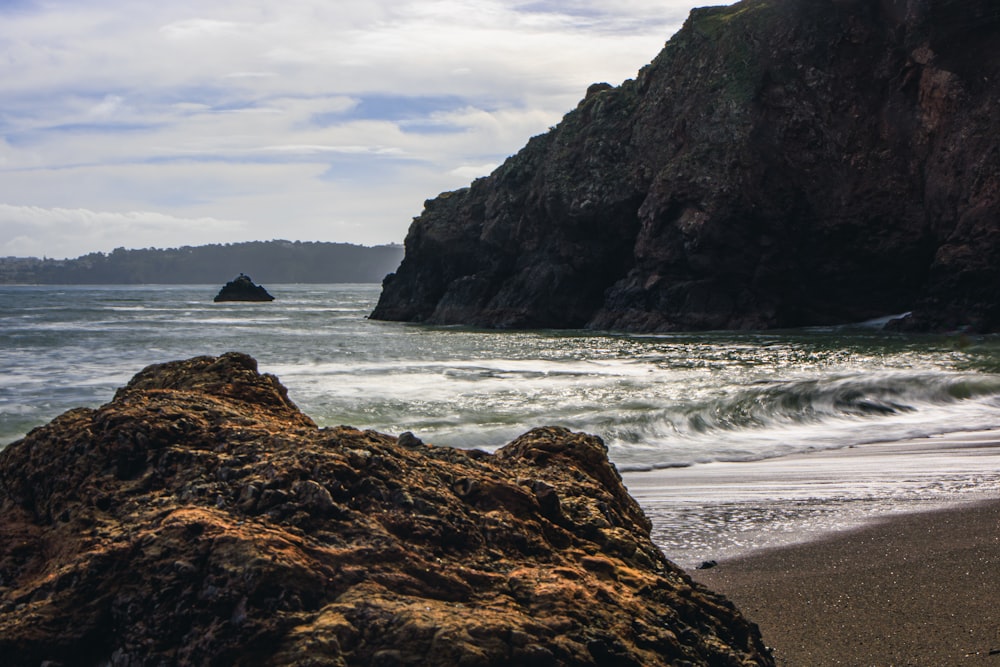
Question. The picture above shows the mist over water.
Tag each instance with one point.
(658, 401)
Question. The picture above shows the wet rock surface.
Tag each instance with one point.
(780, 163)
(201, 518)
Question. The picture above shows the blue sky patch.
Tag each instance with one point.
(394, 108)
(543, 7)
(18, 6)
(360, 168)
(421, 127)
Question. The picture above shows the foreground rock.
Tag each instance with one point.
(781, 163)
(242, 288)
(200, 518)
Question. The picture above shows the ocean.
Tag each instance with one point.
(672, 408)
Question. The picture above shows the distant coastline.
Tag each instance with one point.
(275, 261)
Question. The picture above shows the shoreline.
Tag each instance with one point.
(882, 554)
(911, 589)
(725, 510)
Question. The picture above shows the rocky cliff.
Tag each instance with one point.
(200, 518)
(780, 163)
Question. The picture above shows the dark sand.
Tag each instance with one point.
(916, 589)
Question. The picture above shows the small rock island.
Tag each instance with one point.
(242, 288)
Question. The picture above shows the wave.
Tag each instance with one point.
(768, 404)
(769, 419)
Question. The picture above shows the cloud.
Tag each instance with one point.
(471, 172)
(31, 230)
(202, 28)
(109, 107)
(338, 119)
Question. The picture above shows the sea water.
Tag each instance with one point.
(660, 402)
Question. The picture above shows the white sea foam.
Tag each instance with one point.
(721, 510)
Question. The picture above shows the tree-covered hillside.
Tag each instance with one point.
(266, 261)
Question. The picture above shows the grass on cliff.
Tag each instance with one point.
(713, 22)
(736, 32)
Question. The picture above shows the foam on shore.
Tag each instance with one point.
(720, 510)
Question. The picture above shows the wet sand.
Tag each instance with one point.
(721, 511)
(882, 554)
(918, 589)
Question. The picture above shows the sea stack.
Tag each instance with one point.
(201, 518)
(242, 289)
(781, 163)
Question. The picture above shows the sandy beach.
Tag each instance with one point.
(882, 554)
(919, 589)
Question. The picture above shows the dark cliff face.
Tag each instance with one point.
(201, 519)
(780, 163)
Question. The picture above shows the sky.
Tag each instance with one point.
(128, 123)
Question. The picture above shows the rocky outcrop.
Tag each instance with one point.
(242, 288)
(200, 518)
(781, 163)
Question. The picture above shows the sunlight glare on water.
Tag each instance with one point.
(657, 400)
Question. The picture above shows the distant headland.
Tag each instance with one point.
(275, 261)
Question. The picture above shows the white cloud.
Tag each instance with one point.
(306, 119)
(110, 106)
(201, 28)
(471, 172)
(57, 232)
